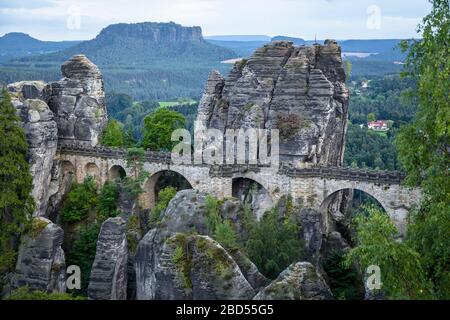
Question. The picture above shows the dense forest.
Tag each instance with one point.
(389, 98)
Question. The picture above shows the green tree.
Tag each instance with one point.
(225, 234)
(158, 128)
(220, 229)
(114, 135)
(16, 182)
(371, 117)
(163, 199)
(273, 242)
(424, 145)
(402, 275)
(83, 253)
(107, 201)
(81, 201)
(345, 281)
(117, 102)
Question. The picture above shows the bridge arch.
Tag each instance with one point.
(345, 193)
(116, 172)
(91, 169)
(370, 192)
(68, 167)
(252, 192)
(159, 180)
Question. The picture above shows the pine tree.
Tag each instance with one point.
(16, 182)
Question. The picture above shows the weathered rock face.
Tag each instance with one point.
(41, 134)
(190, 267)
(62, 176)
(78, 102)
(171, 264)
(298, 90)
(108, 280)
(24, 90)
(300, 281)
(41, 262)
(312, 232)
(249, 270)
(254, 195)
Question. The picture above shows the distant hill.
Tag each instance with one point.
(373, 45)
(146, 60)
(242, 48)
(239, 38)
(295, 41)
(16, 44)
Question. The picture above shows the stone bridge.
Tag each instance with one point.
(312, 187)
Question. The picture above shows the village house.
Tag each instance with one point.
(379, 125)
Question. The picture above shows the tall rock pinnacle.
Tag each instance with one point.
(298, 90)
(78, 102)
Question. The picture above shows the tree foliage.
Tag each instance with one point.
(273, 242)
(365, 148)
(424, 145)
(402, 275)
(220, 229)
(25, 293)
(16, 182)
(107, 201)
(83, 253)
(114, 135)
(163, 199)
(345, 281)
(158, 128)
(81, 201)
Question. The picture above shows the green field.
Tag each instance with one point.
(176, 103)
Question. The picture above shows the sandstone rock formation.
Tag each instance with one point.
(41, 262)
(78, 102)
(24, 90)
(70, 110)
(312, 232)
(171, 264)
(108, 280)
(298, 90)
(300, 281)
(190, 267)
(41, 134)
(249, 270)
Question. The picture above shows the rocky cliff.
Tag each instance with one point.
(298, 90)
(70, 110)
(108, 279)
(42, 136)
(78, 101)
(41, 260)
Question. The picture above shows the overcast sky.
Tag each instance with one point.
(339, 19)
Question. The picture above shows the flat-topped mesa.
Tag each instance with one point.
(78, 102)
(152, 32)
(298, 90)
